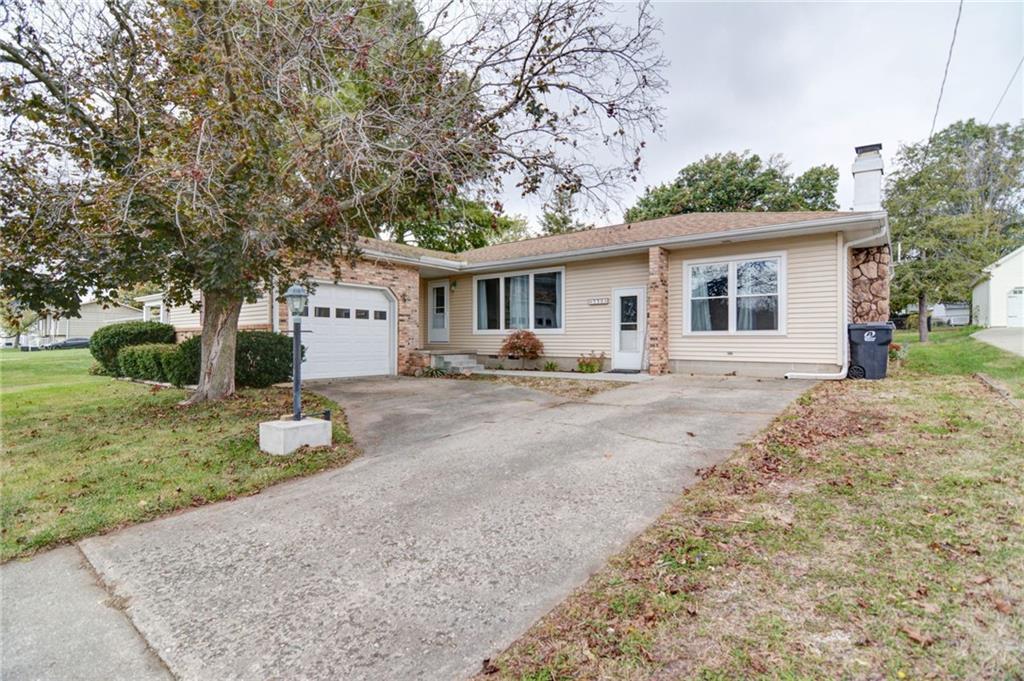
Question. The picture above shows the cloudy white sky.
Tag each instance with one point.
(812, 80)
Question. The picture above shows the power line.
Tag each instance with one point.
(1002, 96)
(945, 73)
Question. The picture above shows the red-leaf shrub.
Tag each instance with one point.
(522, 344)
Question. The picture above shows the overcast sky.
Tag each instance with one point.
(813, 80)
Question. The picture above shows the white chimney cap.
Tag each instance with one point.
(867, 178)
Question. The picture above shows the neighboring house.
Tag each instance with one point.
(752, 293)
(998, 295)
(951, 314)
(92, 315)
(943, 314)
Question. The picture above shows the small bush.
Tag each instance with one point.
(145, 362)
(107, 341)
(434, 372)
(262, 358)
(550, 365)
(182, 367)
(590, 364)
(522, 344)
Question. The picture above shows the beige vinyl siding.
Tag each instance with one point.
(256, 313)
(253, 314)
(183, 317)
(93, 317)
(813, 305)
(586, 328)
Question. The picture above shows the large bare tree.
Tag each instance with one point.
(222, 145)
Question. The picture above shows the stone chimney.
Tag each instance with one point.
(867, 178)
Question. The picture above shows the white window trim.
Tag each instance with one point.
(732, 261)
(500, 276)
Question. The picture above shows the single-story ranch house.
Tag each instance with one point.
(93, 315)
(757, 293)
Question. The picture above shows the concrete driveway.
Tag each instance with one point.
(476, 508)
(1007, 338)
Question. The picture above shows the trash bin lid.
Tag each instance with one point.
(871, 325)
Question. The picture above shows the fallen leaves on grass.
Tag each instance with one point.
(917, 637)
(817, 525)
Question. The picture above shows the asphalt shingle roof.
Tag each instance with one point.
(689, 224)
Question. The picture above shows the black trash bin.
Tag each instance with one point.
(869, 349)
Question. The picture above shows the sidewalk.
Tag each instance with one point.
(58, 622)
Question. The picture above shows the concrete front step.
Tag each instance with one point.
(460, 363)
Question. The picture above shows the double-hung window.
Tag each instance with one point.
(736, 296)
(519, 300)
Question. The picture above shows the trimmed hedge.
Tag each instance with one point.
(262, 358)
(107, 341)
(145, 362)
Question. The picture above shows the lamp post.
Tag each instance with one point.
(297, 298)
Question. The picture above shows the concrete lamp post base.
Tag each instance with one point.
(284, 437)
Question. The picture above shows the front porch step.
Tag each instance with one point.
(458, 363)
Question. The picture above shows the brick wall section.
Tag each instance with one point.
(869, 284)
(657, 311)
(404, 284)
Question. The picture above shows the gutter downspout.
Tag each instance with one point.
(841, 374)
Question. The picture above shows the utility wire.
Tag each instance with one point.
(945, 73)
(1002, 96)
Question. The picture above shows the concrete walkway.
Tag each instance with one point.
(475, 509)
(59, 623)
(1006, 338)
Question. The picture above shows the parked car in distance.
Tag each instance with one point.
(69, 344)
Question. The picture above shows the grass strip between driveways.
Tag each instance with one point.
(875, 530)
(953, 352)
(85, 454)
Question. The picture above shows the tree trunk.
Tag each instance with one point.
(17, 340)
(922, 317)
(220, 333)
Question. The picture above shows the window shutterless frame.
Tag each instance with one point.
(733, 262)
(501, 276)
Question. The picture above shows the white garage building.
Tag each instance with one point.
(998, 297)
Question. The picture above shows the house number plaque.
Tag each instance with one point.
(598, 301)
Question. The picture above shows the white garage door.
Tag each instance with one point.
(348, 331)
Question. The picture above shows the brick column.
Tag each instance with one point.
(657, 311)
(869, 284)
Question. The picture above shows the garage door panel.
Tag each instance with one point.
(345, 346)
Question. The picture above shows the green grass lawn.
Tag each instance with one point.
(874, 531)
(952, 351)
(83, 454)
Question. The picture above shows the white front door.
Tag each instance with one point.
(1015, 307)
(437, 312)
(629, 333)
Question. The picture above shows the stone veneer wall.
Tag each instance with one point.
(404, 283)
(869, 284)
(657, 311)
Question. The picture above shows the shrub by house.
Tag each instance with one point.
(522, 345)
(145, 362)
(107, 341)
(262, 358)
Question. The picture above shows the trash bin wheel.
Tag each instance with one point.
(856, 371)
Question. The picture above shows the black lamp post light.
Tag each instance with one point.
(297, 300)
(284, 436)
